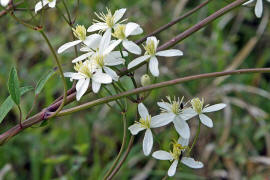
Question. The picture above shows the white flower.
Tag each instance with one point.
(80, 34)
(107, 21)
(43, 3)
(176, 155)
(151, 48)
(121, 32)
(198, 109)
(174, 111)
(4, 2)
(145, 123)
(85, 72)
(258, 7)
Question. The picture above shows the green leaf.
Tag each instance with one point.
(9, 103)
(14, 86)
(41, 83)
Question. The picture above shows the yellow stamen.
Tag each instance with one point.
(79, 32)
(119, 32)
(145, 123)
(197, 104)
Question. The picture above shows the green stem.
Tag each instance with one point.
(20, 116)
(195, 139)
(122, 146)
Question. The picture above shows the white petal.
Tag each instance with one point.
(79, 84)
(147, 142)
(137, 31)
(190, 162)
(117, 54)
(181, 127)
(95, 86)
(206, 120)
(161, 120)
(111, 61)
(162, 155)
(97, 27)
(4, 2)
(39, 5)
(111, 73)
(143, 111)
(153, 66)
(82, 89)
(68, 45)
(85, 49)
(72, 75)
(213, 108)
(248, 2)
(183, 141)
(52, 4)
(105, 41)
(103, 78)
(152, 38)
(170, 53)
(132, 47)
(130, 27)
(135, 128)
(92, 41)
(172, 169)
(259, 8)
(165, 105)
(118, 14)
(137, 61)
(112, 46)
(188, 113)
(82, 57)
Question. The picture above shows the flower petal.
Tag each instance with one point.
(103, 78)
(162, 120)
(4, 2)
(153, 66)
(206, 120)
(172, 169)
(162, 155)
(137, 61)
(143, 111)
(259, 8)
(93, 41)
(183, 141)
(248, 2)
(130, 27)
(111, 61)
(170, 53)
(165, 105)
(105, 41)
(112, 46)
(137, 31)
(188, 113)
(79, 84)
(111, 73)
(147, 142)
(213, 108)
(96, 86)
(72, 75)
(181, 127)
(135, 128)
(154, 39)
(67, 45)
(190, 162)
(132, 47)
(40, 5)
(82, 57)
(82, 89)
(118, 14)
(97, 27)
(52, 4)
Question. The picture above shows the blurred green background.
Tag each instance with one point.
(83, 145)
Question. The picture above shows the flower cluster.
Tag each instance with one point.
(99, 54)
(175, 111)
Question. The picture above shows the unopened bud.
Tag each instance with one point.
(145, 80)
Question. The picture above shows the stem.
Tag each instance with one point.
(165, 177)
(166, 26)
(122, 146)
(61, 74)
(32, 108)
(195, 138)
(160, 85)
(117, 168)
(20, 116)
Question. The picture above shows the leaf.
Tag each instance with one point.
(14, 86)
(41, 83)
(9, 103)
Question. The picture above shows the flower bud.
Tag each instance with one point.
(145, 80)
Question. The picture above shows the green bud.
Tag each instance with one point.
(145, 80)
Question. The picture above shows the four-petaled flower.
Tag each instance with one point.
(145, 123)
(258, 7)
(175, 156)
(198, 109)
(43, 3)
(85, 72)
(151, 53)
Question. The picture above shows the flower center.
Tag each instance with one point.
(109, 19)
(177, 150)
(197, 105)
(83, 68)
(99, 59)
(145, 123)
(79, 32)
(150, 48)
(119, 32)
